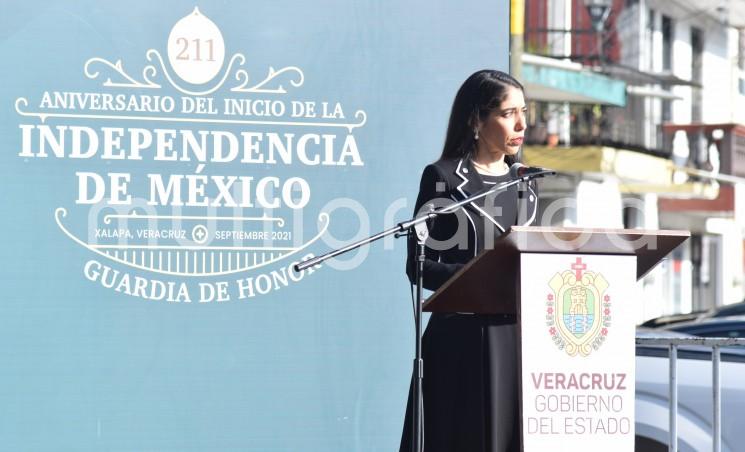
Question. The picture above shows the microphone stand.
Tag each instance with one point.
(418, 224)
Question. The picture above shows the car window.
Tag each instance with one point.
(736, 309)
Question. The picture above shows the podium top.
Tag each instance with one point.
(487, 284)
(649, 246)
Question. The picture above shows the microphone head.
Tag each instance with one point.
(516, 170)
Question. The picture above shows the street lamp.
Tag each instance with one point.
(599, 10)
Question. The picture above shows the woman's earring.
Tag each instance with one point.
(475, 134)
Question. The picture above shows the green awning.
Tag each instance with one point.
(556, 84)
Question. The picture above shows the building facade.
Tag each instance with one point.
(638, 104)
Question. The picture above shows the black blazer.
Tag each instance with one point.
(457, 238)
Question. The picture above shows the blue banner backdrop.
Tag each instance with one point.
(164, 163)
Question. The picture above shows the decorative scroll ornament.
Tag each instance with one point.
(119, 69)
(260, 87)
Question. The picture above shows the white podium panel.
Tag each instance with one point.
(578, 352)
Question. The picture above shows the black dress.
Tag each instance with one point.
(470, 369)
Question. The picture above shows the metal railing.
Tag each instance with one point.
(615, 127)
(673, 344)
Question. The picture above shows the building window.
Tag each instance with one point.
(697, 49)
(697, 57)
(667, 106)
(667, 43)
(650, 39)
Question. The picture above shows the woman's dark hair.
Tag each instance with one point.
(479, 95)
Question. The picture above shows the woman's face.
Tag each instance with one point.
(501, 133)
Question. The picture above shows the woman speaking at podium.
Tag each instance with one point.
(470, 369)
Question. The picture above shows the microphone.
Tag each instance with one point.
(518, 171)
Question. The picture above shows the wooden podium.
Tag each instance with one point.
(574, 293)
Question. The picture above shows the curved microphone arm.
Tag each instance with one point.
(405, 226)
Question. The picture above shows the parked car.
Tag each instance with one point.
(719, 311)
(695, 400)
(732, 326)
(666, 320)
(727, 310)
